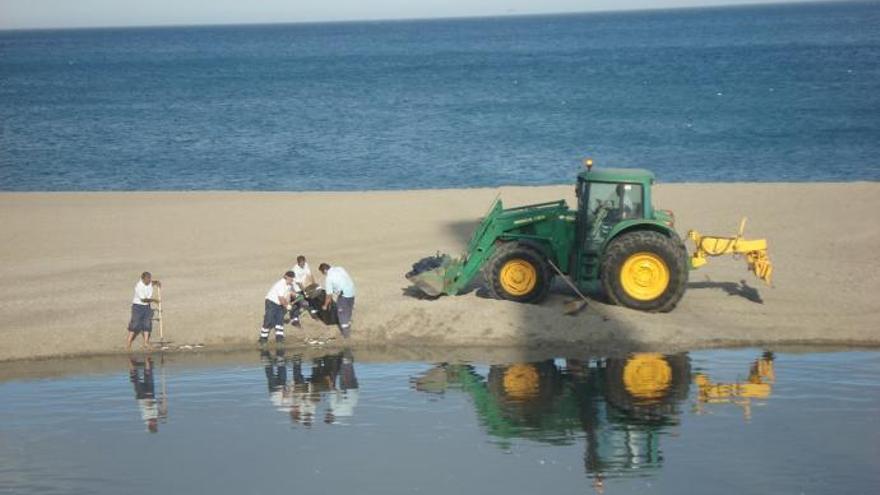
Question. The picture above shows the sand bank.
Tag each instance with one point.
(68, 262)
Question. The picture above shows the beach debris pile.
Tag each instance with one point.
(318, 342)
(182, 347)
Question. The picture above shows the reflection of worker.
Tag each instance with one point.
(276, 378)
(337, 282)
(141, 313)
(144, 391)
(302, 409)
(344, 398)
(277, 300)
(331, 380)
(304, 405)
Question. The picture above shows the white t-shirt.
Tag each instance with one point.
(281, 289)
(339, 282)
(302, 273)
(142, 291)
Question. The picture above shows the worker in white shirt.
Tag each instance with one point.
(141, 313)
(337, 282)
(303, 272)
(277, 299)
(342, 402)
(302, 279)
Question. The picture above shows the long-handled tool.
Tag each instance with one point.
(160, 317)
(571, 307)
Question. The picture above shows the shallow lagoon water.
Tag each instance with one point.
(721, 421)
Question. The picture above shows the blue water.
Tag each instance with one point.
(772, 93)
(724, 422)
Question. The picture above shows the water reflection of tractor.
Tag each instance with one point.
(614, 242)
(620, 406)
(759, 385)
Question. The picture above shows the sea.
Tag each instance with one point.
(758, 93)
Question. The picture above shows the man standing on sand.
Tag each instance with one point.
(337, 282)
(141, 313)
(277, 299)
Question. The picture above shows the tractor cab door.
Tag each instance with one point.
(601, 206)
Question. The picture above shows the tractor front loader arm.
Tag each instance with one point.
(755, 251)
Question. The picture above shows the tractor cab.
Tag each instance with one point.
(608, 197)
(610, 201)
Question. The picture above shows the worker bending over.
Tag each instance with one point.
(277, 299)
(337, 282)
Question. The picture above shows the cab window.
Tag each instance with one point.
(614, 202)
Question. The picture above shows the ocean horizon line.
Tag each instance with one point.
(417, 189)
(477, 17)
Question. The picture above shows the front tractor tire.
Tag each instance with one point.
(518, 272)
(645, 270)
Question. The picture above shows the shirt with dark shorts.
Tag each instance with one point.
(274, 315)
(141, 318)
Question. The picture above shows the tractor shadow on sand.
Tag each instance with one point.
(415, 293)
(741, 289)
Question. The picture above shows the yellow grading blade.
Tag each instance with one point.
(755, 251)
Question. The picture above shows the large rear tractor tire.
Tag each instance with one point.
(518, 272)
(645, 270)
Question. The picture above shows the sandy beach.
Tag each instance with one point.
(69, 261)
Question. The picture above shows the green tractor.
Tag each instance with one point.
(615, 242)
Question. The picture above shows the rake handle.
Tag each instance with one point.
(161, 316)
(567, 281)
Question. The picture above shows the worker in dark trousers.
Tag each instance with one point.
(338, 283)
(141, 314)
(344, 398)
(276, 369)
(277, 300)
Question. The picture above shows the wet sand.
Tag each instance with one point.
(69, 261)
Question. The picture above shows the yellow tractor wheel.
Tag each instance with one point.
(518, 272)
(644, 276)
(647, 376)
(518, 277)
(521, 382)
(645, 270)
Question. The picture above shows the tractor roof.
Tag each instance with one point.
(602, 174)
